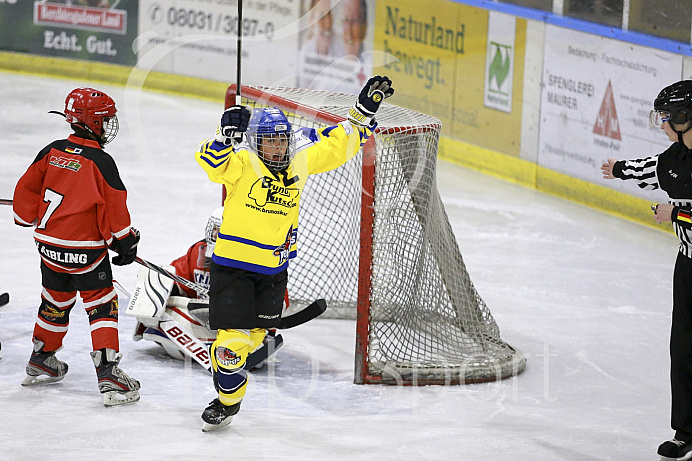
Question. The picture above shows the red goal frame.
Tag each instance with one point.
(362, 373)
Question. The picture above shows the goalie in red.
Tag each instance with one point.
(264, 179)
(170, 302)
(73, 195)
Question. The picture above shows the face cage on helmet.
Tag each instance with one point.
(658, 117)
(212, 230)
(275, 165)
(109, 129)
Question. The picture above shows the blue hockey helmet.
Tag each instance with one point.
(270, 135)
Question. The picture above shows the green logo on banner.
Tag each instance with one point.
(499, 67)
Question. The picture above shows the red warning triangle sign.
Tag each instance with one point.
(607, 120)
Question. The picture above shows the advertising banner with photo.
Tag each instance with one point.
(595, 103)
(198, 38)
(97, 30)
(336, 45)
(458, 63)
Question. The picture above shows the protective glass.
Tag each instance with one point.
(657, 117)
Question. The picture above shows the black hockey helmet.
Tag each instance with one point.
(676, 100)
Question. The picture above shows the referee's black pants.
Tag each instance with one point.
(681, 349)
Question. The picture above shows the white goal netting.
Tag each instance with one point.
(374, 241)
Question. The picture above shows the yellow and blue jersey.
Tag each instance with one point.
(259, 230)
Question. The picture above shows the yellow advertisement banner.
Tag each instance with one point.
(436, 53)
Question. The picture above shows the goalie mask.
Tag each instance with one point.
(270, 136)
(93, 111)
(212, 230)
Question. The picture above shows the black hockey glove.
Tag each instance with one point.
(234, 123)
(125, 257)
(376, 90)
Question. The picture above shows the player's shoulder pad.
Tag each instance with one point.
(103, 161)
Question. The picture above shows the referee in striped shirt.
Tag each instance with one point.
(671, 171)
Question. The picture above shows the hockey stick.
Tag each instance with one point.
(183, 281)
(314, 310)
(5, 201)
(239, 50)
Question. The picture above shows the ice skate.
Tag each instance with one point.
(675, 450)
(218, 415)
(117, 388)
(43, 367)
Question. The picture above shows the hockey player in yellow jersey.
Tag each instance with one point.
(264, 174)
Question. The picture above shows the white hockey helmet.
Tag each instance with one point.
(212, 230)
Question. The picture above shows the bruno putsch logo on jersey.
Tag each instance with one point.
(271, 191)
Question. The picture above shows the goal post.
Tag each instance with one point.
(375, 242)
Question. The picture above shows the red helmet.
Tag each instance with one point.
(93, 110)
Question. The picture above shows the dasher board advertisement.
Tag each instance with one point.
(103, 32)
(596, 97)
(499, 62)
(198, 38)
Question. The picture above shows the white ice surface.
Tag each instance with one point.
(586, 296)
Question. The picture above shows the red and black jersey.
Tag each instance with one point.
(73, 194)
(193, 266)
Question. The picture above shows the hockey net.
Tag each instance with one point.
(374, 241)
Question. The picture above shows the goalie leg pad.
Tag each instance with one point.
(229, 354)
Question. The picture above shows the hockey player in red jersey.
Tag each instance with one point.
(73, 195)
